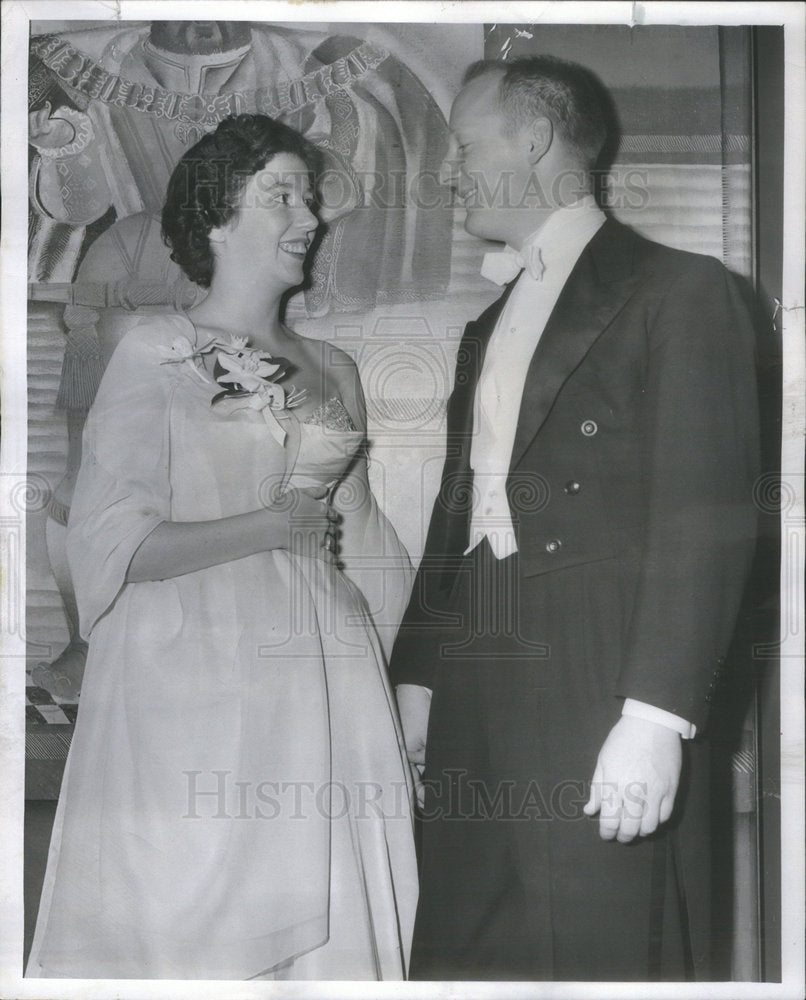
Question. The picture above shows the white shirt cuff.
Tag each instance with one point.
(640, 710)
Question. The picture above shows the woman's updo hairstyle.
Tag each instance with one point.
(205, 188)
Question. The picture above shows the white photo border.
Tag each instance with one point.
(16, 17)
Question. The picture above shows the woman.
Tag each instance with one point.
(236, 802)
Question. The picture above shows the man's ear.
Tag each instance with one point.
(539, 135)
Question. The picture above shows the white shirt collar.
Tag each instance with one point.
(567, 228)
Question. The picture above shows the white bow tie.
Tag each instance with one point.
(502, 266)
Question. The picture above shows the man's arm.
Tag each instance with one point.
(699, 412)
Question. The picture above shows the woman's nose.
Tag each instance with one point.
(307, 218)
(449, 171)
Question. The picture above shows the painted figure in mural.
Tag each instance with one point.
(583, 570)
(112, 109)
(237, 801)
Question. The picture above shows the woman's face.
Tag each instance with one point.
(273, 225)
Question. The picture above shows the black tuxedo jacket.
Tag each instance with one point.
(636, 443)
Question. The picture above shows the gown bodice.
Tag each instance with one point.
(328, 442)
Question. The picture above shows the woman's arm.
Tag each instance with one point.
(352, 498)
(177, 547)
(120, 526)
(369, 550)
(305, 524)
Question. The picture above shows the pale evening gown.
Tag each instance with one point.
(236, 801)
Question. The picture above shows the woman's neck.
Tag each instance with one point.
(242, 312)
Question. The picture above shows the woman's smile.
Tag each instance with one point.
(296, 248)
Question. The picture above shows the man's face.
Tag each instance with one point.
(199, 37)
(487, 166)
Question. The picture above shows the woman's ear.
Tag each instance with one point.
(218, 234)
(539, 136)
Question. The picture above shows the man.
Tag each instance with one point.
(583, 569)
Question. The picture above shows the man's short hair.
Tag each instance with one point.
(568, 94)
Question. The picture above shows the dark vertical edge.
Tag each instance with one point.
(768, 176)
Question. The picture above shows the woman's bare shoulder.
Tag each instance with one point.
(327, 357)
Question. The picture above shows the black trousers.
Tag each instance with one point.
(515, 882)
(473, 921)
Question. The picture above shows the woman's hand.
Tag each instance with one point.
(312, 522)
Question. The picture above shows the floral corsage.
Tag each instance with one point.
(246, 373)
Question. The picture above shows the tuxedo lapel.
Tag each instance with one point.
(599, 286)
(469, 362)
(449, 529)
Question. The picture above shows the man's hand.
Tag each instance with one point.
(414, 703)
(636, 778)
